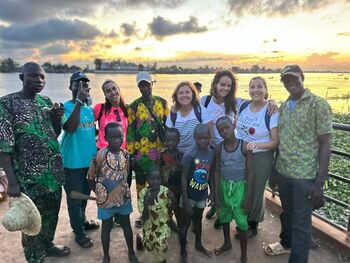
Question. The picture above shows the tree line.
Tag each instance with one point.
(8, 65)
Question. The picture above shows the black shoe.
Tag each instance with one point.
(211, 213)
(91, 225)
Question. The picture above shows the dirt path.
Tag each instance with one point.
(11, 249)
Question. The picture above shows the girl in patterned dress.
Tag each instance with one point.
(154, 204)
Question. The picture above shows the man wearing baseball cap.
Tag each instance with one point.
(78, 146)
(305, 126)
(147, 116)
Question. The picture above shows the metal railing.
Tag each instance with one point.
(342, 127)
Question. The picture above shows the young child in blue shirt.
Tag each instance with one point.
(233, 175)
(196, 176)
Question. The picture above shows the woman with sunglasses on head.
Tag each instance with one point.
(113, 110)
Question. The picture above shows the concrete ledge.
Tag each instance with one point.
(321, 229)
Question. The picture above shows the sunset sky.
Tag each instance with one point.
(315, 34)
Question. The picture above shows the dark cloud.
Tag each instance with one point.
(272, 7)
(161, 27)
(128, 30)
(55, 49)
(112, 34)
(19, 11)
(50, 30)
(344, 34)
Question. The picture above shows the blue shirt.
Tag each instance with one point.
(79, 147)
(200, 164)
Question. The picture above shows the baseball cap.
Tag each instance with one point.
(293, 70)
(144, 76)
(78, 75)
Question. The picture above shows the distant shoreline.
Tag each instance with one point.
(182, 73)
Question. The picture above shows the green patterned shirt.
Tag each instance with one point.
(298, 134)
(27, 133)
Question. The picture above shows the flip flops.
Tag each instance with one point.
(276, 249)
(84, 242)
(91, 225)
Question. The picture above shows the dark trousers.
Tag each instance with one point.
(76, 181)
(48, 202)
(296, 217)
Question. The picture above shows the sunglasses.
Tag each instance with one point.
(118, 116)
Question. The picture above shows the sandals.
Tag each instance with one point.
(58, 251)
(91, 225)
(84, 242)
(139, 223)
(276, 249)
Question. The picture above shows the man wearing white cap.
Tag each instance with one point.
(305, 125)
(146, 116)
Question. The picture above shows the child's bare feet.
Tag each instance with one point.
(203, 249)
(133, 258)
(226, 246)
(106, 259)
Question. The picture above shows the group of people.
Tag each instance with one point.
(218, 149)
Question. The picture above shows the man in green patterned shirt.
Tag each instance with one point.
(305, 126)
(30, 156)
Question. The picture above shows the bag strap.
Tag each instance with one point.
(267, 120)
(198, 113)
(207, 100)
(153, 115)
(267, 116)
(173, 116)
(244, 105)
(100, 114)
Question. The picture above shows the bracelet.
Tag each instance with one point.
(78, 100)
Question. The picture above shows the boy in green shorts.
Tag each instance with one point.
(232, 185)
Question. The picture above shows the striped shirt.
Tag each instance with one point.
(186, 125)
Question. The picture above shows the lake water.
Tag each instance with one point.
(335, 87)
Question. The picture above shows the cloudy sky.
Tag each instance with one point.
(313, 33)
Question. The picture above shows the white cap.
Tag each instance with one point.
(144, 76)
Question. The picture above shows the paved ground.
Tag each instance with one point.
(11, 250)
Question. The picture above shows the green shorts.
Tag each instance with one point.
(232, 195)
